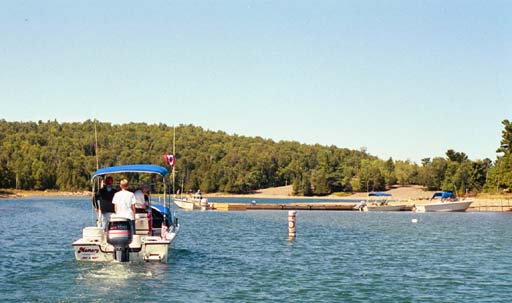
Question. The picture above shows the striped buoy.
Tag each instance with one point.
(291, 223)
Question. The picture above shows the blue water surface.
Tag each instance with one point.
(247, 257)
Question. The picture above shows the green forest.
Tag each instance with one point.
(62, 156)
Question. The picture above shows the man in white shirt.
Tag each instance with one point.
(141, 197)
(124, 203)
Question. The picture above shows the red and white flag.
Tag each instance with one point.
(163, 230)
(170, 160)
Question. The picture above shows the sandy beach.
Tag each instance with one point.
(403, 193)
(408, 195)
(400, 193)
(18, 193)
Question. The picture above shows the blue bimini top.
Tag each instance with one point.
(132, 168)
(444, 195)
(164, 210)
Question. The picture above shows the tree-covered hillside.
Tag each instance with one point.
(52, 155)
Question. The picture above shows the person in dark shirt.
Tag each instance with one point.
(106, 194)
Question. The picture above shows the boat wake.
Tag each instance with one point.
(114, 271)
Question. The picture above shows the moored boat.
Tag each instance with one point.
(386, 207)
(378, 201)
(152, 235)
(195, 202)
(444, 202)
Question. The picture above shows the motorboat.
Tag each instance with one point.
(155, 229)
(194, 202)
(378, 201)
(444, 202)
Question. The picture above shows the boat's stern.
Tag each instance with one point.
(94, 247)
(155, 249)
(91, 247)
(419, 208)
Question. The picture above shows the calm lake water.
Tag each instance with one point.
(246, 257)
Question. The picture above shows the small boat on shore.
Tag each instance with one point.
(152, 235)
(444, 202)
(379, 202)
(195, 202)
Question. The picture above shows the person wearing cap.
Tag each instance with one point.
(106, 194)
(124, 203)
(141, 195)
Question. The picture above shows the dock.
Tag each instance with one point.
(288, 206)
(480, 205)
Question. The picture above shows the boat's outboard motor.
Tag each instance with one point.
(120, 235)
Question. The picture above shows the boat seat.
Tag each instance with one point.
(141, 224)
(92, 234)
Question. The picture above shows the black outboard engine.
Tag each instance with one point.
(120, 235)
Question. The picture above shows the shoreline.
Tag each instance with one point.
(285, 192)
(20, 193)
(402, 193)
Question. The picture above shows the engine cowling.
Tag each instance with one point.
(120, 235)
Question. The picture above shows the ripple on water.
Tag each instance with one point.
(246, 257)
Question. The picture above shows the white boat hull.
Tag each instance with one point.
(457, 206)
(186, 204)
(384, 208)
(192, 204)
(143, 247)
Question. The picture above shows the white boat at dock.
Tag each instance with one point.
(378, 201)
(195, 202)
(155, 229)
(444, 202)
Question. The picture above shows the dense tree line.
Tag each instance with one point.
(62, 156)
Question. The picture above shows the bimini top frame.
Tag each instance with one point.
(132, 168)
(139, 168)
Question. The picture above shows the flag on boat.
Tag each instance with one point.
(170, 160)
(163, 229)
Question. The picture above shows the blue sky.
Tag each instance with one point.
(405, 79)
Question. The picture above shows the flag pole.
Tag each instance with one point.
(97, 167)
(174, 155)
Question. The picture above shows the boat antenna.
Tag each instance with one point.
(96, 146)
(174, 155)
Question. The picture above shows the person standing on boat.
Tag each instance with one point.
(198, 194)
(141, 195)
(124, 203)
(106, 194)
